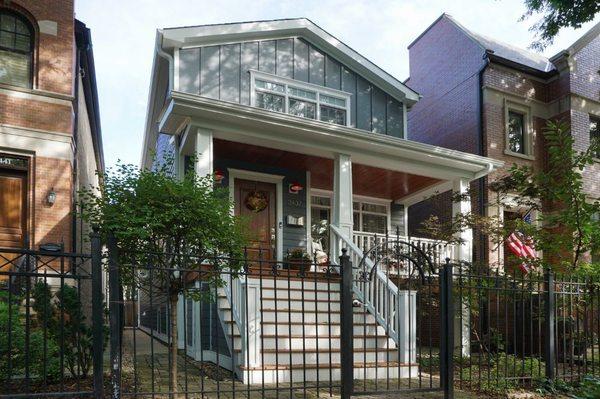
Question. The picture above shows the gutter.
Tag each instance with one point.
(161, 53)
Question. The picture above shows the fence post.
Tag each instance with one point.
(114, 294)
(97, 313)
(447, 333)
(346, 323)
(549, 353)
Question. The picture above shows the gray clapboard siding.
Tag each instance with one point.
(221, 72)
(230, 73)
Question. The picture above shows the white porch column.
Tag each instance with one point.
(204, 152)
(463, 253)
(342, 199)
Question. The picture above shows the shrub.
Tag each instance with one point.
(505, 372)
(43, 354)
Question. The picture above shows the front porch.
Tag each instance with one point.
(304, 194)
(316, 173)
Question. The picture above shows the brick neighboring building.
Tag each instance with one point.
(486, 97)
(50, 140)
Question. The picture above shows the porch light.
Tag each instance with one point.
(296, 187)
(51, 197)
(219, 176)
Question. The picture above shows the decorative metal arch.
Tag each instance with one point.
(400, 250)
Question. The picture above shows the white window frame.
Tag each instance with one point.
(315, 192)
(318, 90)
(524, 110)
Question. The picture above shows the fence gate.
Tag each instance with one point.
(399, 331)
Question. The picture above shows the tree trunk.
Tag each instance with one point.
(174, 344)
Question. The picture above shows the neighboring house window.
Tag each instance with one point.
(516, 132)
(595, 132)
(519, 138)
(371, 218)
(278, 94)
(16, 49)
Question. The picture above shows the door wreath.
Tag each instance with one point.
(256, 201)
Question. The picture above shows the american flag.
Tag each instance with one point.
(522, 247)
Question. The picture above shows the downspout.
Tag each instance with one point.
(76, 147)
(166, 56)
(482, 151)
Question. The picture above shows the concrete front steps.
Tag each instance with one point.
(296, 336)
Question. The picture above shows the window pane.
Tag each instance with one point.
(340, 102)
(22, 43)
(374, 208)
(293, 91)
(516, 137)
(333, 115)
(21, 28)
(7, 22)
(322, 201)
(356, 221)
(7, 39)
(15, 68)
(302, 108)
(269, 86)
(269, 101)
(374, 223)
(595, 132)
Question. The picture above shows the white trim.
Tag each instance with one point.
(425, 193)
(266, 178)
(286, 82)
(176, 69)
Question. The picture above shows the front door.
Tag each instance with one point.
(13, 189)
(256, 203)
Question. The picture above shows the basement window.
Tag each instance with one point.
(305, 100)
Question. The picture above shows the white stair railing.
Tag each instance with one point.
(378, 294)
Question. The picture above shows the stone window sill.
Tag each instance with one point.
(519, 155)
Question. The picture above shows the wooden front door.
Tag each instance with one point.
(256, 202)
(13, 211)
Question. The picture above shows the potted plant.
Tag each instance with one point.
(298, 259)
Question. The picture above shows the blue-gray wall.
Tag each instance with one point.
(293, 204)
(221, 72)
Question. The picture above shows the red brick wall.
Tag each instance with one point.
(46, 107)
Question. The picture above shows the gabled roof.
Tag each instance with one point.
(499, 49)
(201, 35)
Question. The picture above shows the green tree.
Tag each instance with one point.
(167, 229)
(567, 226)
(558, 14)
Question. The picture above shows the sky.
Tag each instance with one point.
(123, 34)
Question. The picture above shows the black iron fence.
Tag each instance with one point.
(252, 326)
(47, 335)
(523, 331)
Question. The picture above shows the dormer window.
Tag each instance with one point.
(278, 94)
(16, 49)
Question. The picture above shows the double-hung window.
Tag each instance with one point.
(16, 49)
(306, 100)
(519, 134)
(371, 218)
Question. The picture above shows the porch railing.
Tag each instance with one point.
(379, 295)
(437, 251)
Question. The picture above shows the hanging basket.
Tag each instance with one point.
(256, 201)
